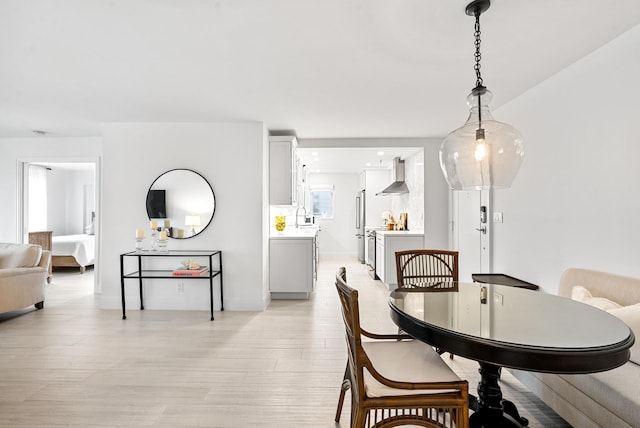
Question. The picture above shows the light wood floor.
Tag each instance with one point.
(73, 364)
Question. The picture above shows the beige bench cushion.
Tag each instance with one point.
(616, 390)
(630, 315)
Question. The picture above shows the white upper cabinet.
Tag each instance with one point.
(283, 170)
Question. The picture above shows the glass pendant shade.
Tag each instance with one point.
(483, 153)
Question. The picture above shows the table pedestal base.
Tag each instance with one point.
(490, 410)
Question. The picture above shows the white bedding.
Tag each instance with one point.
(81, 247)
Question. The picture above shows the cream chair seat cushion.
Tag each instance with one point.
(405, 361)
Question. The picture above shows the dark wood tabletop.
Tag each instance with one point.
(506, 326)
(515, 328)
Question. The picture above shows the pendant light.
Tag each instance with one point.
(483, 153)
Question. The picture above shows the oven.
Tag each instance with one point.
(371, 253)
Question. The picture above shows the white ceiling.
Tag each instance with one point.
(342, 160)
(323, 69)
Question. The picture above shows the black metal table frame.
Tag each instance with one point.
(141, 274)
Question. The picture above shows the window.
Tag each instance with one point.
(322, 200)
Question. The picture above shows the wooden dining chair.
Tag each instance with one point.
(436, 269)
(397, 382)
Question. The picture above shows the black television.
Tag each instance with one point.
(156, 204)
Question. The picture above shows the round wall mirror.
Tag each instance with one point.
(182, 202)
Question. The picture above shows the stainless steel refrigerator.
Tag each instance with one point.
(360, 216)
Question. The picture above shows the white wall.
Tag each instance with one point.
(575, 201)
(338, 234)
(436, 196)
(16, 150)
(231, 157)
(57, 202)
(66, 200)
(375, 180)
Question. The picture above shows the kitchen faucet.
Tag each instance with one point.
(305, 214)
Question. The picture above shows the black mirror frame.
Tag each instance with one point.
(213, 194)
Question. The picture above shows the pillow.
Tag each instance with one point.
(583, 295)
(20, 255)
(630, 315)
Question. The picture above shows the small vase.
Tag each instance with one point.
(154, 240)
(281, 222)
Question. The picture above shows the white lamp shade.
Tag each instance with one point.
(192, 220)
(470, 165)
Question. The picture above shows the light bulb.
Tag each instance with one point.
(481, 147)
(481, 150)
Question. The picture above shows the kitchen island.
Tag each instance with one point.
(293, 262)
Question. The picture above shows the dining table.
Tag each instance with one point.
(503, 326)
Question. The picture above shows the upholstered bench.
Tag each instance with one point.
(610, 399)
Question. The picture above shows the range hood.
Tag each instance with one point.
(398, 186)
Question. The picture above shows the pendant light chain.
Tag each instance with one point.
(478, 55)
(479, 87)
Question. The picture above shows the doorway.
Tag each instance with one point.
(62, 197)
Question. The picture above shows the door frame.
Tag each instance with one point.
(22, 191)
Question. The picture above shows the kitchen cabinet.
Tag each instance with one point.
(283, 170)
(293, 265)
(387, 243)
(380, 256)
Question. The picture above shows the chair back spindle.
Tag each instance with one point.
(437, 269)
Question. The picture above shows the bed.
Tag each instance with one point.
(73, 251)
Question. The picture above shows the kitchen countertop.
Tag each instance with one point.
(399, 233)
(293, 232)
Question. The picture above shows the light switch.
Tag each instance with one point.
(498, 299)
(497, 217)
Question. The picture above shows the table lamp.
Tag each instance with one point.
(192, 220)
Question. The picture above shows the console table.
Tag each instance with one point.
(143, 273)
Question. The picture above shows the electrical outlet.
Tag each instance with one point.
(181, 288)
(497, 217)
